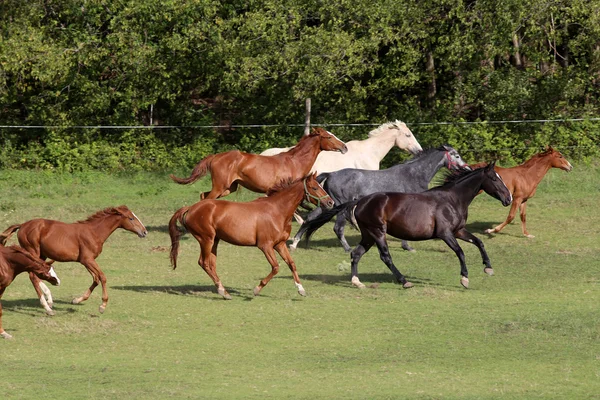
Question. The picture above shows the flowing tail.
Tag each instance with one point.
(4, 236)
(198, 172)
(175, 233)
(344, 209)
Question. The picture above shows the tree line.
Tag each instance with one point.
(207, 62)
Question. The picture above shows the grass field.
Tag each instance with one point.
(530, 332)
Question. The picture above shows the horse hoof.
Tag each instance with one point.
(489, 231)
(407, 285)
(488, 271)
(465, 282)
(227, 296)
(302, 292)
(257, 290)
(529, 236)
(50, 312)
(101, 309)
(6, 335)
(76, 301)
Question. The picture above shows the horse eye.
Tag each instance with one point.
(131, 219)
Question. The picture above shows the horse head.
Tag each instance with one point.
(405, 140)
(315, 193)
(131, 222)
(328, 141)
(453, 160)
(557, 160)
(493, 184)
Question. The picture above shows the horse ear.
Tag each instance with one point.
(314, 175)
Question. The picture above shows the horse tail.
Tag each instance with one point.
(326, 215)
(4, 236)
(198, 172)
(175, 233)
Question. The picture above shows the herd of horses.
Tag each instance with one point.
(339, 179)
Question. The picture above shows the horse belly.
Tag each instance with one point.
(414, 221)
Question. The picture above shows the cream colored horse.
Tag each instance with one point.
(364, 154)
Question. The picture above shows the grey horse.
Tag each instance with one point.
(350, 184)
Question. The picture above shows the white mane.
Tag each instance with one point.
(388, 125)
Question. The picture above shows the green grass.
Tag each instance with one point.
(531, 331)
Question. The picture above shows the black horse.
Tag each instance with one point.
(351, 184)
(439, 213)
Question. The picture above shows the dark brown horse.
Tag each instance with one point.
(264, 223)
(13, 261)
(80, 241)
(522, 181)
(438, 213)
(261, 173)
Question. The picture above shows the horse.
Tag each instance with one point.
(439, 213)
(350, 184)
(13, 261)
(522, 181)
(264, 223)
(260, 173)
(367, 153)
(80, 241)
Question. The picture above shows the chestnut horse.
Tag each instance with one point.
(264, 223)
(261, 173)
(80, 241)
(13, 261)
(522, 181)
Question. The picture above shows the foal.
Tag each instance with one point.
(13, 261)
(522, 181)
(80, 241)
(264, 223)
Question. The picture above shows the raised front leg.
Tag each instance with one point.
(43, 293)
(469, 237)
(310, 217)
(453, 244)
(511, 215)
(98, 278)
(282, 249)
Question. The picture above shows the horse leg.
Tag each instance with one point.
(406, 246)
(467, 236)
(310, 217)
(282, 249)
(524, 219)
(511, 215)
(386, 257)
(43, 293)
(3, 333)
(451, 241)
(98, 278)
(338, 228)
(365, 244)
(208, 262)
(272, 259)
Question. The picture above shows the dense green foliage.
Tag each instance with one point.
(528, 332)
(207, 62)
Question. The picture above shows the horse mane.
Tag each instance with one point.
(103, 213)
(388, 125)
(282, 185)
(426, 152)
(450, 177)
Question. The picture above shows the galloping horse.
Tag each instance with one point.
(80, 241)
(264, 223)
(367, 153)
(351, 184)
(13, 261)
(439, 213)
(261, 173)
(522, 181)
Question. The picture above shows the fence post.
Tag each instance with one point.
(307, 119)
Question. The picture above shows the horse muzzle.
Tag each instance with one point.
(344, 149)
(143, 233)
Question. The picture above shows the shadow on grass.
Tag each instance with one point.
(185, 290)
(369, 279)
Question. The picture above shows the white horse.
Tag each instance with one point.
(364, 154)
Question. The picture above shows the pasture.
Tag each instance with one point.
(531, 331)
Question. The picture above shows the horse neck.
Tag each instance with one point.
(288, 199)
(381, 144)
(537, 167)
(467, 189)
(308, 148)
(103, 227)
(424, 169)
